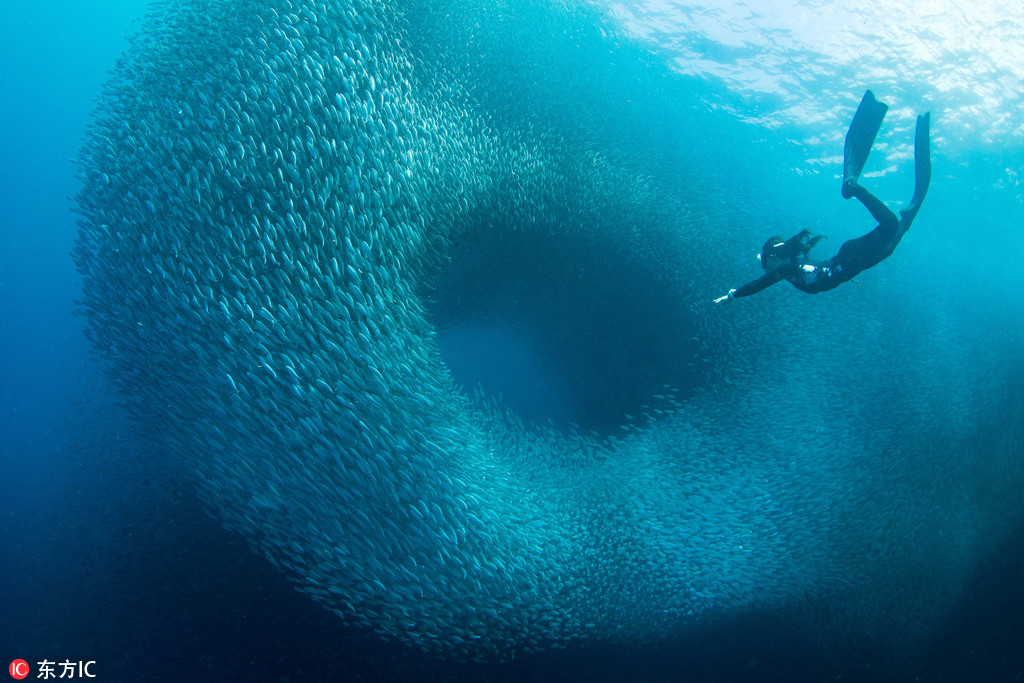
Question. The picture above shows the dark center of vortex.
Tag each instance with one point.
(561, 328)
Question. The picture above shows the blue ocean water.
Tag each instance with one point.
(112, 556)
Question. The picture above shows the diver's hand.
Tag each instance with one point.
(728, 297)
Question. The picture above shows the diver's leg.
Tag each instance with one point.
(864, 252)
(871, 249)
(881, 213)
(854, 256)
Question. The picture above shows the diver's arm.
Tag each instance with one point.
(766, 280)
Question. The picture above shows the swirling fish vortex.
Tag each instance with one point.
(269, 190)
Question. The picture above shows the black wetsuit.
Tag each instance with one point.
(854, 256)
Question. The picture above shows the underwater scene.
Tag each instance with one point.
(512, 340)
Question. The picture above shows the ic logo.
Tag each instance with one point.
(19, 669)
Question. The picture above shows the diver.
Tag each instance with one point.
(790, 259)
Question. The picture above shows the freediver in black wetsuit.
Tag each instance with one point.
(790, 259)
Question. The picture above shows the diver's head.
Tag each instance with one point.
(770, 255)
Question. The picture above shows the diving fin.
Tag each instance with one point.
(861, 136)
(922, 166)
